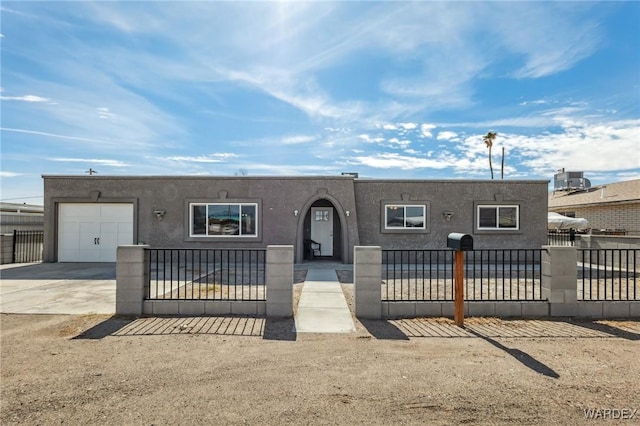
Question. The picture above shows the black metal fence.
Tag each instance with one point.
(608, 274)
(490, 275)
(206, 274)
(27, 246)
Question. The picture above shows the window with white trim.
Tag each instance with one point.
(402, 216)
(498, 217)
(224, 219)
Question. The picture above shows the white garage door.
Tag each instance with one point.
(91, 232)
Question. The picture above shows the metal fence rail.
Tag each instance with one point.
(503, 274)
(206, 274)
(561, 237)
(27, 246)
(490, 275)
(415, 275)
(608, 274)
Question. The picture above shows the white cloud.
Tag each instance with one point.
(25, 98)
(534, 102)
(397, 143)
(551, 37)
(102, 162)
(583, 146)
(394, 160)
(425, 130)
(300, 139)
(370, 139)
(627, 176)
(289, 169)
(104, 113)
(446, 136)
(212, 158)
(6, 174)
(278, 50)
(577, 145)
(54, 135)
(337, 129)
(408, 126)
(283, 54)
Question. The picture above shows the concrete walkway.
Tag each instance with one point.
(322, 307)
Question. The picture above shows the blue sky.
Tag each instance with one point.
(385, 89)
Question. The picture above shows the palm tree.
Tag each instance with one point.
(488, 140)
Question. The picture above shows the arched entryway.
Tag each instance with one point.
(321, 234)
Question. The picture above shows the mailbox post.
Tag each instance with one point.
(460, 243)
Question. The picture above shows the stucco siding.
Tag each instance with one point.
(358, 203)
(461, 198)
(277, 199)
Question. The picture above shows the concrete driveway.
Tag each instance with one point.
(58, 288)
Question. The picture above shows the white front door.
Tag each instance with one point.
(91, 232)
(322, 229)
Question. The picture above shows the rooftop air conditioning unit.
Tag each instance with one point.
(570, 181)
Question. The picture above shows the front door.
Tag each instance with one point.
(322, 229)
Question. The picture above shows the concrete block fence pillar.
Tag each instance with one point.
(131, 278)
(559, 280)
(279, 281)
(367, 281)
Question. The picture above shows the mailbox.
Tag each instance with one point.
(458, 241)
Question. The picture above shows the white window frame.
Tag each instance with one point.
(497, 207)
(207, 235)
(404, 226)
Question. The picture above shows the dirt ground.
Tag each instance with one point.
(100, 370)
(97, 370)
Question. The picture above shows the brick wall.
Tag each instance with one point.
(624, 216)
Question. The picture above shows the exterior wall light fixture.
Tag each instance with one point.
(295, 212)
(447, 216)
(159, 214)
(347, 213)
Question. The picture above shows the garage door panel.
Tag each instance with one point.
(109, 228)
(115, 212)
(92, 232)
(68, 241)
(117, 232)
(106, 253)
(69, 228)
(78, 211)
(89, 228)
(125, 233)
(126, 228)
(89, 254)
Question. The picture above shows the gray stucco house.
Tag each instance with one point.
(87, 217)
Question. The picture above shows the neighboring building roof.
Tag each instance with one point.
(612, 193)
(20, 208)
